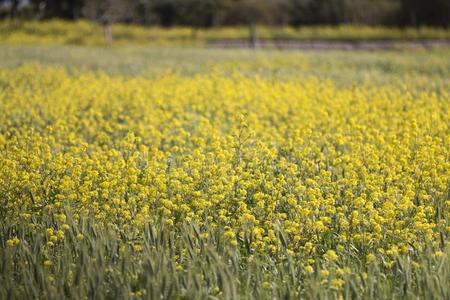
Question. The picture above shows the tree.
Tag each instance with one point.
(108, 12)
(65, 9)
(302, 12)
(252, 12)
(430, 12)
(201, 13)
(13, 10)
(144, 12)
(166, 11)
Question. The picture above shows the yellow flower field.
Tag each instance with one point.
(59, 32)
(334, 184)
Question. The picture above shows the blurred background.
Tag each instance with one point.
(215, 13)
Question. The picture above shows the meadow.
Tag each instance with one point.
(146, 173)
(90, 34)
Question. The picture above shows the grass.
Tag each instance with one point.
(104, 265)
(85, 33)
(344, 68)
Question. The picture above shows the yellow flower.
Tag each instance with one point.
(137, 248)
(309, 269)
(330, 255)
(61, 217)
(12, 242)
(47, 263)
(370, 258)
(215, 291)
(168, 222)
(337, 283)
(439, 254)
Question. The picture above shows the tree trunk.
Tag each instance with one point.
(413, 18)
(13, 11)
(76, 8)
(107, 29)
(253, 36)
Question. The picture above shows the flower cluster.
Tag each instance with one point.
(334, 170)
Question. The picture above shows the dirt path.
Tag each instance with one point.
(331, 45)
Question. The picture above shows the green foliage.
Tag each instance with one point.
(96, 262)
(225, 12)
